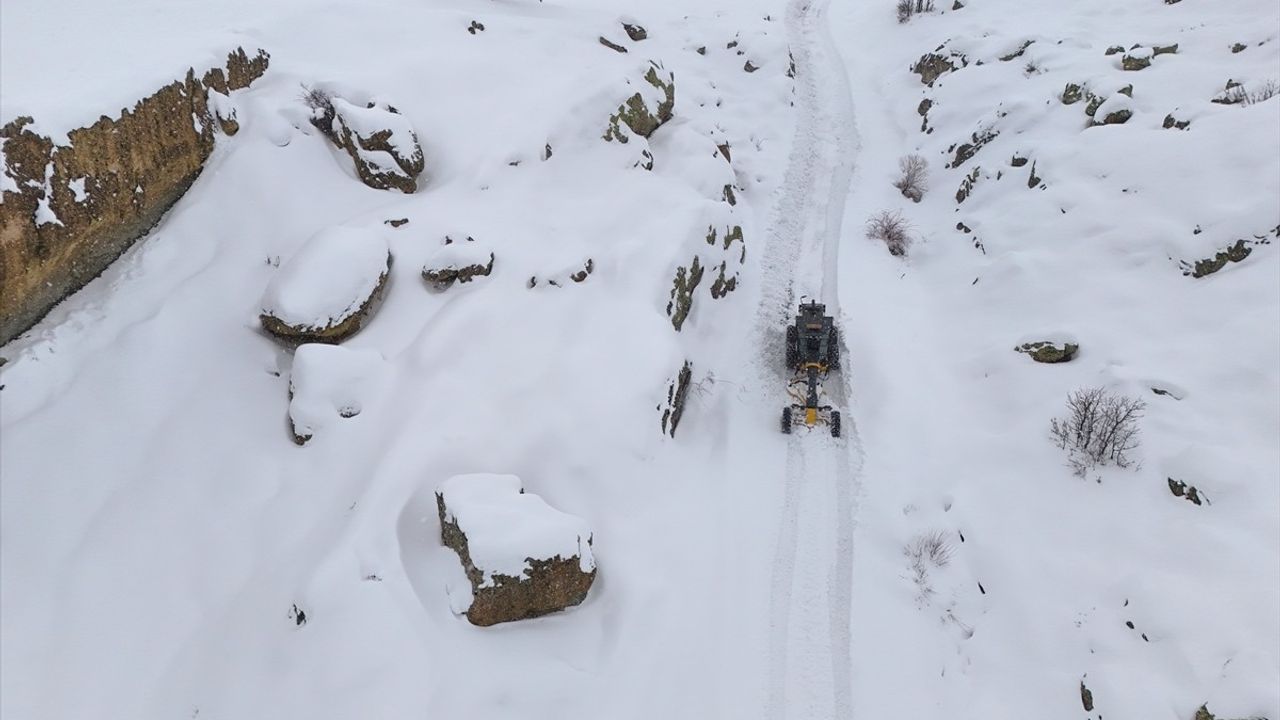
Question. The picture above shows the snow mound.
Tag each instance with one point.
(328, 383)
(323, 293)
(507, 527)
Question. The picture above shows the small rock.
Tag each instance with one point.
(397, 222)
(1046, 351)
(1171, 122)
(475, 27)
(1183, 490)
(1238, 48)
(460, 262)
(635, 32)
(750, 67)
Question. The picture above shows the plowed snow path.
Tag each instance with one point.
(809, 641)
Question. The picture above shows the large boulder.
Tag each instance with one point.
(328, 384)
(328, 290)
(380, 141)
(522, 557)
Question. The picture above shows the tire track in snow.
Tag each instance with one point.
(811, 593)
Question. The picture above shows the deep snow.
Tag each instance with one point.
(158, 526)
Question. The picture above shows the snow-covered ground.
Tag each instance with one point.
(160, 530)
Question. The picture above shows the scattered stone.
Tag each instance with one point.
(923, 111)
(298, 616)
(966, 185)
(1183, 490)
(475, 27)
(461, 262)
(964, 151)
(791, 65)
(522, 558)
(397, 222)
(328, 290)
(729, 196)
(1238, 48)
(1137, 59)
(1086, 697)
(586, 270)
(1046, 351)
(635, 32)
(1113, 50)
(723, 285)
(957, 5)
(1171, 122)
(612, 46)
(1072, 94)
(1165, 49)
(702, 50)
(1018, 161)
(1033, 180)
(1017, 53)
(750, 67)
(1235, 253)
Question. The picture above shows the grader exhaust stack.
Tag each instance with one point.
(813, 350)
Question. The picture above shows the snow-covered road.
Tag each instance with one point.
(810, 603)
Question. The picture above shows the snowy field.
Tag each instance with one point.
(162, 535)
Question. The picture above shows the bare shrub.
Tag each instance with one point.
(1262, 93)
(924, 552)
(892, 229)
(915, 177)
(910, 8)
(321, 103)
(1101, 428)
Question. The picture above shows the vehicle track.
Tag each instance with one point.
(811, 586)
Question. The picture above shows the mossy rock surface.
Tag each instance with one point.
(1045, 351)
(682, 292)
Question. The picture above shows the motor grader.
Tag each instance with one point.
(813, 351)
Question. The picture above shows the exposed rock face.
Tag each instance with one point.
(682, 289)
(964, 151)
(382, 145)
(79, 206)
(522, 558)
(1045, 351)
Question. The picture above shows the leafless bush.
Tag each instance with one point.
(915, 177)
(1102, 428)
(321, 103)
(891, 228)
(1262, 93)
(927, 551)
(910, 8)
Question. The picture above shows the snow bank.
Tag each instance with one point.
(506, 527)
(331, 278)
(328, 383)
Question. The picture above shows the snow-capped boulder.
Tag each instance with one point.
(522, 557)
(329, 383)
(458, 261)
(381, 142)
(328, 290)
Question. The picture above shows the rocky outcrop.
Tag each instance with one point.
(458, 261)
(677, 395)
(1189, 492)
(966, 150)
(1046, 351)
(75, 207)
(329, 289)
(682, 292)
(382, 145)
(1233, 254)
(934, 65)
(647, 109)
(521, 557)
